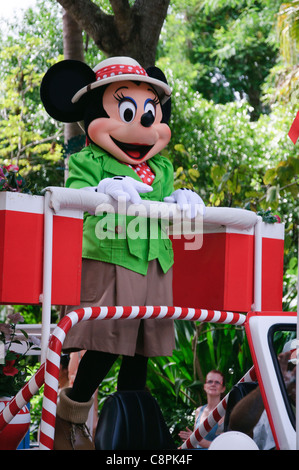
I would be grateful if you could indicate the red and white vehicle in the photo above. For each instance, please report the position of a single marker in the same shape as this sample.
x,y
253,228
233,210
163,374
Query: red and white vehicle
x,y
225,271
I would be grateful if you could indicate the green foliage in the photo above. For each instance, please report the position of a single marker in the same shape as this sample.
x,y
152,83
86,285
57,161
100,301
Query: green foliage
x,y
36,405
291,284
29,138
13,365
233,103
229,46
288,29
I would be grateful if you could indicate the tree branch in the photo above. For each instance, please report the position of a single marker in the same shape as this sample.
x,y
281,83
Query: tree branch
x,y
132,31
58,134
149,19
122,18
92,19
120,7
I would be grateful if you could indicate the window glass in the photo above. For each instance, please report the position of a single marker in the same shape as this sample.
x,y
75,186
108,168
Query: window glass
x,y
282,340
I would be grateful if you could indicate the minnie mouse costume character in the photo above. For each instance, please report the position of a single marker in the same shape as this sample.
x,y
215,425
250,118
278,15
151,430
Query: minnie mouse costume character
x,y
125,112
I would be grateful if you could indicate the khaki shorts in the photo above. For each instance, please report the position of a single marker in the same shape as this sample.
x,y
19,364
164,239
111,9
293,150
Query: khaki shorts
x,y
105,284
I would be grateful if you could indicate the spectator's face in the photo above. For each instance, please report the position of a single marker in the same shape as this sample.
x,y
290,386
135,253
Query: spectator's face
x,y
214,384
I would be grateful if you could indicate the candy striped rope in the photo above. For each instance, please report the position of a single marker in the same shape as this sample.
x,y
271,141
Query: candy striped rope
x,y
48,372
101,313
205,427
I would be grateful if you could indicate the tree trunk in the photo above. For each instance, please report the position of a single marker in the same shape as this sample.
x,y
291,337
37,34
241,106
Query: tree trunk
x,y
132,30
72,49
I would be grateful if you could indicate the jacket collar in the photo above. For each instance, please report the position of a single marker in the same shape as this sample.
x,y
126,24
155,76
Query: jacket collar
x,y
116,168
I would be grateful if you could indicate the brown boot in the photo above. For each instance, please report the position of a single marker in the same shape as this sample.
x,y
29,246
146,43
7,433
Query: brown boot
x,y
71,432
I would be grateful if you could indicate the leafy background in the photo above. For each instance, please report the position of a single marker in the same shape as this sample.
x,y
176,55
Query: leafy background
x,y
233,67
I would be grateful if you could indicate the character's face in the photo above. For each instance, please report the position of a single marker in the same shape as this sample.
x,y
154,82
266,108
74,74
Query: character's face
x,y
133,133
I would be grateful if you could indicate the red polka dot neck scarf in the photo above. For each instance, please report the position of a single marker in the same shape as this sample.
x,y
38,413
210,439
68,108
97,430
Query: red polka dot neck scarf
x,y
144,172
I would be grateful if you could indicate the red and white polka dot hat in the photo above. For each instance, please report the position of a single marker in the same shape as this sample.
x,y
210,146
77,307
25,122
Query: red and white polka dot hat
x,y
123,68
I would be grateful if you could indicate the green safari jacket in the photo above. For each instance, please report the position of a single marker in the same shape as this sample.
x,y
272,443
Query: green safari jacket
x,y
127,241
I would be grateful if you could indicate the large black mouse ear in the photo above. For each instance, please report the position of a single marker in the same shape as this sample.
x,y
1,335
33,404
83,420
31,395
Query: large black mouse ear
x,y
157,73
60,84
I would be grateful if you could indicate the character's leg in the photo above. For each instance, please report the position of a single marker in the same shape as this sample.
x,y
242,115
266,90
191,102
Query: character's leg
x,y
93,368
74,403
132,373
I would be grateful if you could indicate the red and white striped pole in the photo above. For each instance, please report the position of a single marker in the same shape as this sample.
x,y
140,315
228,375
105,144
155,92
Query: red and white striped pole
x,y
48,372
102,313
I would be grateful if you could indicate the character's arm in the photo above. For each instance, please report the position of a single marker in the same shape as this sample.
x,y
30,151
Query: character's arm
x,y
247,412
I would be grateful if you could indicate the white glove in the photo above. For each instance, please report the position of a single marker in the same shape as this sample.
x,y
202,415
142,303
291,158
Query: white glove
x,y
123,186
188,201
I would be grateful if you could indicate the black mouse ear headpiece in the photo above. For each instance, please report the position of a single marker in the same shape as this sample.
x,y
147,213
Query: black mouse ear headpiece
x,y
157,73
60,84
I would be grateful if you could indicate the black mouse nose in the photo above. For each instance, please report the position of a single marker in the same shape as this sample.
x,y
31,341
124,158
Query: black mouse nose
x,y
147,119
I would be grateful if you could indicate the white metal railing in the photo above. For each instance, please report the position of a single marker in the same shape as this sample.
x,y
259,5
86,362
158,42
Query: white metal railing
x,y
57,199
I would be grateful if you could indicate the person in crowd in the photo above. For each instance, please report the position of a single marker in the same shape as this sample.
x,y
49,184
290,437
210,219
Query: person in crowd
x,y
214,387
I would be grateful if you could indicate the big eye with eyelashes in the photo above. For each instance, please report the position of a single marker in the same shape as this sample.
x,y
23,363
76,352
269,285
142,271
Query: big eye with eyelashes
x,y
150,106
127,110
